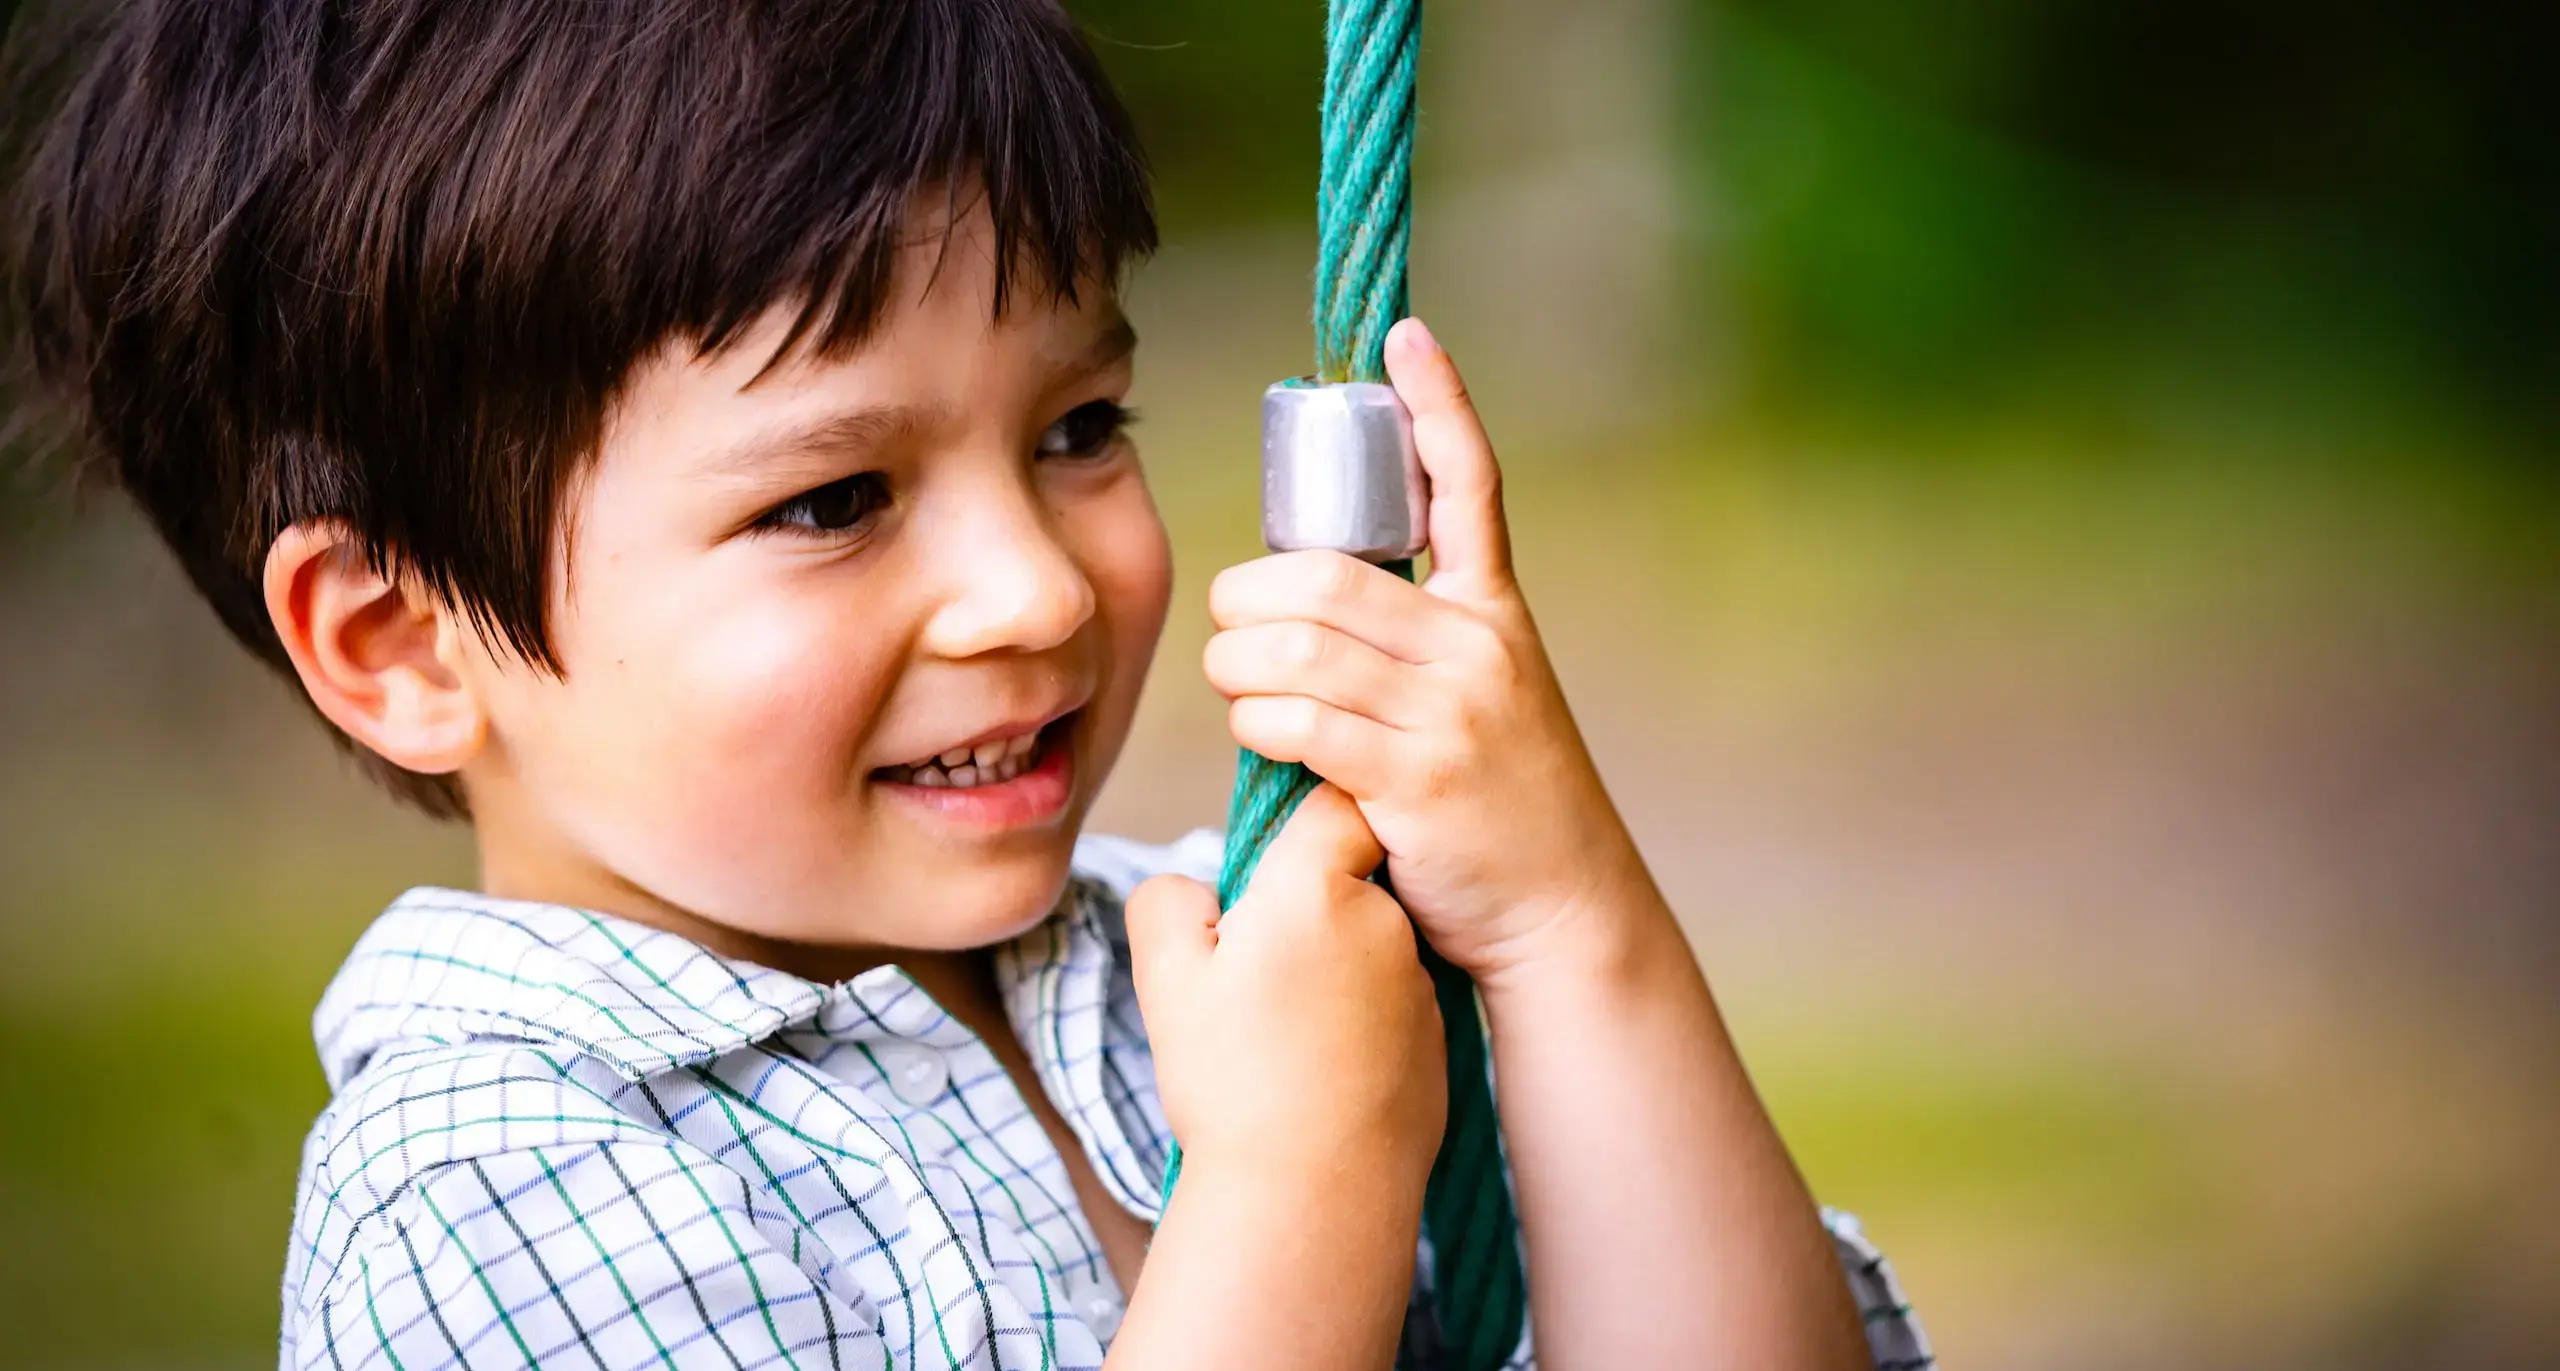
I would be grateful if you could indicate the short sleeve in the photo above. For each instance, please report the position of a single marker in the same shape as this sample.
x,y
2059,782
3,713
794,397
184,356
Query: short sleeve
x,y
604,1254
1894,1337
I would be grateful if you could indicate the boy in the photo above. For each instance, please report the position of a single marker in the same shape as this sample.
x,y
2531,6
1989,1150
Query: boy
x,y
684,440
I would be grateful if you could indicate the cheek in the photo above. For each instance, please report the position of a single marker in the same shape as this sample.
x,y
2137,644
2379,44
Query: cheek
x,y
740,705
1129,560
786,683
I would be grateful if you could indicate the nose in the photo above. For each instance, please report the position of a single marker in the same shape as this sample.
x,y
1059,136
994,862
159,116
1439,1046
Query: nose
x,y
1011,584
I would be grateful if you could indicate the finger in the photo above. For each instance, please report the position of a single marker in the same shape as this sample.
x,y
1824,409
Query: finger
x,y
1326,834
1355,753
1342,592
1173,927
1295,657
1470,541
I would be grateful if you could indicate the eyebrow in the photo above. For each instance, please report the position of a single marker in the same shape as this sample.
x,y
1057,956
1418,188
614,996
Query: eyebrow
x,y
1114,343
819,446
814,448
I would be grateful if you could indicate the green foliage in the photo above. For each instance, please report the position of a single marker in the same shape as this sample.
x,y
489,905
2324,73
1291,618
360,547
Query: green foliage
x,y
1225,93
1929,210
147,1158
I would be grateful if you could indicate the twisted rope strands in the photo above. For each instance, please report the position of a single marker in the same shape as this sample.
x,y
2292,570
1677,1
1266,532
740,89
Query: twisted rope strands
x,y
1364,210
1364,194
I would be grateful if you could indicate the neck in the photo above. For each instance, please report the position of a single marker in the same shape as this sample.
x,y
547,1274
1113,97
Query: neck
x,y
522,858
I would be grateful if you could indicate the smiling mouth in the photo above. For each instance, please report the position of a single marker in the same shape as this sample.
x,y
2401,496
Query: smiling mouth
x,y
987,764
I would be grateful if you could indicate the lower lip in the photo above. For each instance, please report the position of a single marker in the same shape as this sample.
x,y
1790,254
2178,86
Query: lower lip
x,y
1035,796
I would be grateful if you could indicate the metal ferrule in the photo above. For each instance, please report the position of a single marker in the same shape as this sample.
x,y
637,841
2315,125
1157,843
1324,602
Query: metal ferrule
x,y
1339,471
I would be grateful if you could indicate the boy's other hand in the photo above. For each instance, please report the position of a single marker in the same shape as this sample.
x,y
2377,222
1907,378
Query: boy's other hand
x,y
1299,1034
1434,706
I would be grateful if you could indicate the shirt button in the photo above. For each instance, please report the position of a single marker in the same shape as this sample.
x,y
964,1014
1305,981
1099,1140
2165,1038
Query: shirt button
x,y
916,1075
1102,1315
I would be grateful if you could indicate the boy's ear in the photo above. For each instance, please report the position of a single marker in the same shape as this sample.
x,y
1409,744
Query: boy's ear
x,y
381,659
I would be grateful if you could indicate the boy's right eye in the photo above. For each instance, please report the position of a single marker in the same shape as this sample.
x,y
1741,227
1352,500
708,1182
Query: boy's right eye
x,y
836,507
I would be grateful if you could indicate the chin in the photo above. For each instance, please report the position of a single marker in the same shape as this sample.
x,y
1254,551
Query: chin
x,y
996,903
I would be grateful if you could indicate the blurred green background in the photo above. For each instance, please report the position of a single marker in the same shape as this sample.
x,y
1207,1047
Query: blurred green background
x,y
2047,513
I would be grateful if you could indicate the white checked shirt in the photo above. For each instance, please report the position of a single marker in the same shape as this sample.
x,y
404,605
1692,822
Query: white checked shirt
x,y
563,1139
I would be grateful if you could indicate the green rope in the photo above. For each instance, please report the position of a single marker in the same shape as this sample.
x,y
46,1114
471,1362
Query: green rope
x,y
1364,212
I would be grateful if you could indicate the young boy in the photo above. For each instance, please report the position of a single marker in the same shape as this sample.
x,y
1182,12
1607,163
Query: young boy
x,y
684,439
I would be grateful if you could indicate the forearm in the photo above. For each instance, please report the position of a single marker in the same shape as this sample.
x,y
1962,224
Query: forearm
x,y
1664,1221
1252,1271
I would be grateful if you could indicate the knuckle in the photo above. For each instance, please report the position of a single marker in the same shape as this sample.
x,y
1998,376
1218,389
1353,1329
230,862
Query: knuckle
x,y
1217,656
1167,891
1298,719
1441,773
1361,909
1302,645
1326,806
1225,591
1144,897
1338,577
1483,709
1285,865
1485,647
1493,669
1290,892
1258,715
1453,385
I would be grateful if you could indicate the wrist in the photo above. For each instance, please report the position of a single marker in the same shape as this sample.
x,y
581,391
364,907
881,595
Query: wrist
x,y
1358,1209
1380,1163
1611,925
1243,1250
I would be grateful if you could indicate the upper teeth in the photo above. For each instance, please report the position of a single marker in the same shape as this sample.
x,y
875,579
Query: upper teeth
x,y
984,764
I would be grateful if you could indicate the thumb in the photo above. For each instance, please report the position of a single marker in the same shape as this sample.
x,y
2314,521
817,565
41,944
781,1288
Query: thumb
x,y
1325,835
1470,539
1173,926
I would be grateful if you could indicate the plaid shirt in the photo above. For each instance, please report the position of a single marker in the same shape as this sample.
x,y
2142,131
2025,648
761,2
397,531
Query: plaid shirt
x,y
563,1139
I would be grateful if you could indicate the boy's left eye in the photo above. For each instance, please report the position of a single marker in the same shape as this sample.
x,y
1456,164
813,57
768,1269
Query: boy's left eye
x,y
1085,431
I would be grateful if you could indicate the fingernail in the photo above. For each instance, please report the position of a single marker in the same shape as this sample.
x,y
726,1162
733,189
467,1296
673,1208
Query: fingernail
x,y
1422,335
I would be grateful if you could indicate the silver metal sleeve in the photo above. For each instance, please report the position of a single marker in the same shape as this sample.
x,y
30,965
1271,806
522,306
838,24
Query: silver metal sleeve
x,y
1339,471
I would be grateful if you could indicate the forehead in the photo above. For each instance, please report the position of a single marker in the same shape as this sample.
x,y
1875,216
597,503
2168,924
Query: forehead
x,y
945,294
944,350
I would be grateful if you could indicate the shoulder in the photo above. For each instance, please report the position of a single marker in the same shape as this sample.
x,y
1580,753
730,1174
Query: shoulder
x,y
464,1027
418,1111
415,1108
483,1203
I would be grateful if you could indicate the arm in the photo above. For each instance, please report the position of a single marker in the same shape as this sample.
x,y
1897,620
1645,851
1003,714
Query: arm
x,y
1634,1133
1274,1270
1663,1220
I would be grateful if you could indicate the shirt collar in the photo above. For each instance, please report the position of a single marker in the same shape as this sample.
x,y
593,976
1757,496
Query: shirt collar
x,y
447,966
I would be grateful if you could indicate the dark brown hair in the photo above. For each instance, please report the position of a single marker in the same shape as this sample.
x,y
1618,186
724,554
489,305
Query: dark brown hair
x,y
386,262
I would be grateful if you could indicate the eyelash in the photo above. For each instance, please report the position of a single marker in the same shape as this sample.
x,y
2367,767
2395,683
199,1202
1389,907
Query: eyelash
x,y
842,505
868,492
1114,418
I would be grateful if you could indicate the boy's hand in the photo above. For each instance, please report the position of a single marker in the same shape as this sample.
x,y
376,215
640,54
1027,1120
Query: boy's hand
x,y
1647,1174
1299,1057
1434,706
1299,1034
